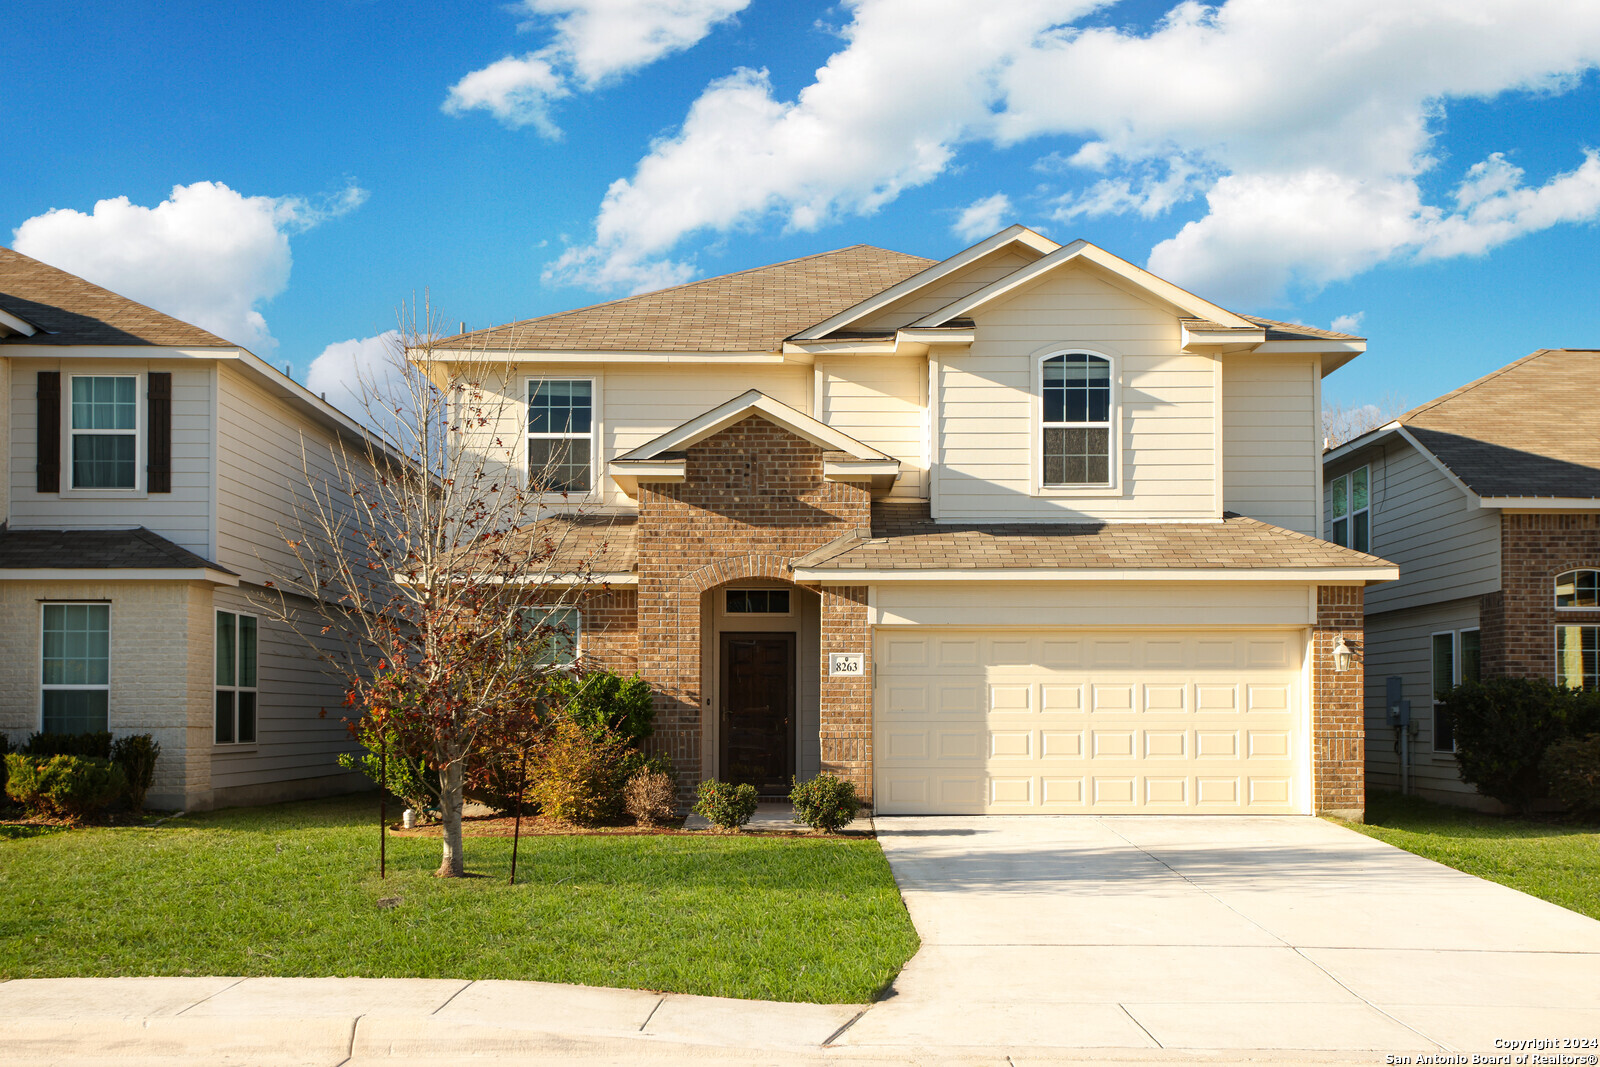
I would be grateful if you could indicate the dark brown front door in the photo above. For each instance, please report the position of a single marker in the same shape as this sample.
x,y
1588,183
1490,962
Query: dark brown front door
x,y
758,711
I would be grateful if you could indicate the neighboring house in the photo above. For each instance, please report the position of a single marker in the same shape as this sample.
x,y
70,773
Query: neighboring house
x,y
148,468
1488,498
1024,530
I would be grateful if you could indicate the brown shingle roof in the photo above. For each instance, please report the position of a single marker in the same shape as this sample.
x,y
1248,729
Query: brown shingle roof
x,y
95,550
905,538
1292,331
749,311
71,311
594,544
1523,430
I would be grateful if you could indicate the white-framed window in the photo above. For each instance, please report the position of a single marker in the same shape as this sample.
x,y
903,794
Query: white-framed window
x,y
1578,590
1076,415
236,678
561,434
1457,658
103,431
75,672
757,602
559,631
1578,657
1352,514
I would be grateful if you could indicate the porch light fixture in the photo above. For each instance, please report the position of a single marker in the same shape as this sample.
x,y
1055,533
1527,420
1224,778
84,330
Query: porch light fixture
x,y
1341,655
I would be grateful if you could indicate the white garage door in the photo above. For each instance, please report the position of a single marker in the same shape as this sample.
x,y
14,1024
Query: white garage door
x,y
990,721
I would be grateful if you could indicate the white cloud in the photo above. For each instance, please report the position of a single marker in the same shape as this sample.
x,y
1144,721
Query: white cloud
x,y
206,254
594,42
1348,323
358,376
1305,127
982,217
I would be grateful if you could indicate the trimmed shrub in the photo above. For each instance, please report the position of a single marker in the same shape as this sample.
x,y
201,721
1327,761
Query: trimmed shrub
x,y
1503,727
577,777
96,744
136,754
606,703
22,778
725,805
73,787
1572,768
825,803
651,798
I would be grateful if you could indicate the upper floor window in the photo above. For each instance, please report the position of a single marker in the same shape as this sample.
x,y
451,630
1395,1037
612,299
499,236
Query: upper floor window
x,y
1352,521
104,430
76,674
1076,408
1578,589
560,427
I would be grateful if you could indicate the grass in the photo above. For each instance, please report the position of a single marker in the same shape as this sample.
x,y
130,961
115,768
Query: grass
x,y
293,889
1556,861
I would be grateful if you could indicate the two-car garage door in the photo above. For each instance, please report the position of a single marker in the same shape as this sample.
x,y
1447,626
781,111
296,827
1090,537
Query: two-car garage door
x,y
1054,721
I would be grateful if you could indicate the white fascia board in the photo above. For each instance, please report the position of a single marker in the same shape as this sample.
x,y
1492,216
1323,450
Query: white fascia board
x,y
1372,437
1136,276
1321,575
1017,234
1355,444
1223,338
874,347
859,467
629,475
1330,347
1542,503
118,574
13,325
913,336
550,355
139,352
579,581
741,407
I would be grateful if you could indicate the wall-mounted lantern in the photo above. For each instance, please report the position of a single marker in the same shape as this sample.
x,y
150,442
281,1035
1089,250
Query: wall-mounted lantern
x,y
1341,655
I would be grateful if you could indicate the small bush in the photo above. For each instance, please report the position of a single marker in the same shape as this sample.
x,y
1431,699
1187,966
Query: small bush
x,y
825,803
577,776
408,775
725,805
1503,727
73,787
603,702
651,798
96,744
5,750
136,754
1572,768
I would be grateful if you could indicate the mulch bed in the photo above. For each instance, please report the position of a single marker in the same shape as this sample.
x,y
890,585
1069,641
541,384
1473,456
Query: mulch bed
x,y
538,826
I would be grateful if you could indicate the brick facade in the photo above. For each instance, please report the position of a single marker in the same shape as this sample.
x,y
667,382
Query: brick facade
x,y
1518,622
610,629
847,702
1338,768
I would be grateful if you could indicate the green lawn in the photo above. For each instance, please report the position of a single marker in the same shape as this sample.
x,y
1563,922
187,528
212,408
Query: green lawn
x,y
1557,861
293,889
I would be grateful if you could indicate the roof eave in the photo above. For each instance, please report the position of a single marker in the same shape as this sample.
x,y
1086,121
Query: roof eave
x,y
1324,575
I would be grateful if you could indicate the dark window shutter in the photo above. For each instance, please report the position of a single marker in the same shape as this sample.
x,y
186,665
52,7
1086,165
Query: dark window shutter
x,y
159,430
49,424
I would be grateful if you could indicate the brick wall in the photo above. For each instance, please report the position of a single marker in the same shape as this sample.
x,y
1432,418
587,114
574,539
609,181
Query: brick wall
x,y
847,702
609,622
1337,764
752,499
1518,623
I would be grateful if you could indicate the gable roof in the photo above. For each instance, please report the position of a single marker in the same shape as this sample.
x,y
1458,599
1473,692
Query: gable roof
x,y
741,407
748,311
1521,431
64,309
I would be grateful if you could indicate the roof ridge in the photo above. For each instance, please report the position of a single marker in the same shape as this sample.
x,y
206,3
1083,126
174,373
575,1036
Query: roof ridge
x,y
81,280
1476,382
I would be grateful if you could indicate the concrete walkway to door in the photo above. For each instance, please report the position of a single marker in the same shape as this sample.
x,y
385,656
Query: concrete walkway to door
x,y
1217,933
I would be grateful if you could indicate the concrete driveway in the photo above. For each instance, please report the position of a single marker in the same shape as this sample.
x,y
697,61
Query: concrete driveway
x,y
1217,933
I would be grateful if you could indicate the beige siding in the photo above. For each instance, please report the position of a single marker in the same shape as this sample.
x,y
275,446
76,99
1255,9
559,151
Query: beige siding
x,y
182,516
1165,438
1270,450
880,400
948,289
1094,604
1444,545
1401,643
5,436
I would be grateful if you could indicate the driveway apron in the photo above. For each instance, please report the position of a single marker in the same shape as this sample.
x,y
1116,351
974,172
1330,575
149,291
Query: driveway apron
x,y
1217,933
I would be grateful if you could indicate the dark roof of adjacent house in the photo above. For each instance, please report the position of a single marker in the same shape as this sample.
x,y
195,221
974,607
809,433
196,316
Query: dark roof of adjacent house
x,y
748,311
67,310
1522,431
137,549
904,537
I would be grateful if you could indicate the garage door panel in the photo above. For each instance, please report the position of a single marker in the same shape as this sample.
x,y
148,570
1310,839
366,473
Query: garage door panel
x,y
1041,721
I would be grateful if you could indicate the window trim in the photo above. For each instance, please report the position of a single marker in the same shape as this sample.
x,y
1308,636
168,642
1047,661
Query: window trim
x,y
1036,428
1349,517
69,432
1555,582
596,468
1555,644
235,688
39,659
789,613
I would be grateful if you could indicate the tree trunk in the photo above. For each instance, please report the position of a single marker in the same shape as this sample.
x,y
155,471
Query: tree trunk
x,y
452,864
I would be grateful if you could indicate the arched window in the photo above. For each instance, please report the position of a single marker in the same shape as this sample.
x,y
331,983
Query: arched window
x,y
1578,589
1076,405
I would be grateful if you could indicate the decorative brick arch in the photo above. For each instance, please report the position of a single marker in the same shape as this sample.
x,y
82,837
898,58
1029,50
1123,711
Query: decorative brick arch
x,y
734,568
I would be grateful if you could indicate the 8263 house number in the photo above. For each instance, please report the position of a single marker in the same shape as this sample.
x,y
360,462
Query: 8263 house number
x,y
847,663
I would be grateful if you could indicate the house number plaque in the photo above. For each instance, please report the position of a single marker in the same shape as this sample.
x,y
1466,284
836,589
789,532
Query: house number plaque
x,y
849,664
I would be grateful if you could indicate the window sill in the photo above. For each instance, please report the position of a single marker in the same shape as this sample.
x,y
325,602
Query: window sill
x,y
1057,491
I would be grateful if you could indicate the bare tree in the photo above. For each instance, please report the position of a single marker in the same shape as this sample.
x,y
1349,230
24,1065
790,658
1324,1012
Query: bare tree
x,y
1343,422
434,564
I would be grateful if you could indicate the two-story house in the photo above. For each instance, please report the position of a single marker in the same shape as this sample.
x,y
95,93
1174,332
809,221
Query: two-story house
x,y
1488,498
1028,529
149,476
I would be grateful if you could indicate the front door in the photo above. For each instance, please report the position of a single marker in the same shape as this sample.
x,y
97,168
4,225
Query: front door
x,y
758,711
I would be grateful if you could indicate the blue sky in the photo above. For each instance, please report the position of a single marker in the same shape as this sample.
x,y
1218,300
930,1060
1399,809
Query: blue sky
x,y
291,172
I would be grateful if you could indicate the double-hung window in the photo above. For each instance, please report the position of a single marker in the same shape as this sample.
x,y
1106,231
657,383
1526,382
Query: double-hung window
x,y
560,427
1075,405
1352,517
556,630
76,673
1578,657
104,428
1456,659
236,679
